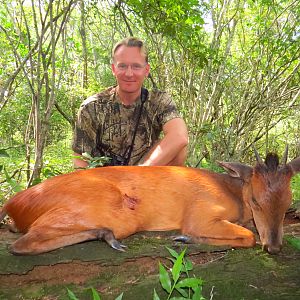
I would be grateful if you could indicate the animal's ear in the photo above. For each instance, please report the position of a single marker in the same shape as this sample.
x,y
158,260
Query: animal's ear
x,y
295,165
237,169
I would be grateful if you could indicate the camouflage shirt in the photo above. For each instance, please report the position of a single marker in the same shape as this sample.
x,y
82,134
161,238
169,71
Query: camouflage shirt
x,y
105,126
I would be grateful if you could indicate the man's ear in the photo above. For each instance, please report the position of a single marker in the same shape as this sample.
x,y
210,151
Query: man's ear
x,y
147,70
113,69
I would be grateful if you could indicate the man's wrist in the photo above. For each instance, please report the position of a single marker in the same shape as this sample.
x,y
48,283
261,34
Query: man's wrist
x,y
146,163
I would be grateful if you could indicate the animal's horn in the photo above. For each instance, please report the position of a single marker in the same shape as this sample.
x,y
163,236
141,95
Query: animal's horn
x,y
258,158
285,155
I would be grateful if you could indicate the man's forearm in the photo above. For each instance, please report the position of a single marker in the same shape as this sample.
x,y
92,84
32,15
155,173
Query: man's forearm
x,y
170,148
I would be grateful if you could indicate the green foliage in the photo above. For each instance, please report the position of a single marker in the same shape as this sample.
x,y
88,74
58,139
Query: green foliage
x,y
13,168
15,186
181,21
57,158
295,185
295,242
10,173
179,281
3,153
94,162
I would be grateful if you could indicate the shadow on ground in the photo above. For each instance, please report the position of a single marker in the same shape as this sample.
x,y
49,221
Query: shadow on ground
x,y
228,274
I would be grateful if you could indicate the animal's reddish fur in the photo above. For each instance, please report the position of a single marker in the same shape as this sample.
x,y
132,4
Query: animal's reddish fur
x,y
205,205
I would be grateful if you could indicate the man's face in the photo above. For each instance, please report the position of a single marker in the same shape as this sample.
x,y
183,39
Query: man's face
x,y
130,69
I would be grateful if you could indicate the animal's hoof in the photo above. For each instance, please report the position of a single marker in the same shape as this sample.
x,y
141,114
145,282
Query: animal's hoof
x,y
13,228
13,250
182,239
118,246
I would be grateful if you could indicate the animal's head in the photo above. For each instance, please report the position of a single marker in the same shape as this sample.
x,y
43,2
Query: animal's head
x,y
267,192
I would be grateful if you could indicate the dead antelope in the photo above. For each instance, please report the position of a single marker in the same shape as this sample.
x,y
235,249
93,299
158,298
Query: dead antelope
x,y
112,203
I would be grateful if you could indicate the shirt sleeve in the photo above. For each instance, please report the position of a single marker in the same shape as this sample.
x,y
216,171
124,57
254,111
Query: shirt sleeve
x,y
167,109
84,133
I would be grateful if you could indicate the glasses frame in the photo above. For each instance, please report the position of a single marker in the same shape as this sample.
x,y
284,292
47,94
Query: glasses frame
x,y
121,67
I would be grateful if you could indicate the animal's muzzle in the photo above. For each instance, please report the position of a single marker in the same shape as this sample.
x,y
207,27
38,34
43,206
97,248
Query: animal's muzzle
x,y
272,249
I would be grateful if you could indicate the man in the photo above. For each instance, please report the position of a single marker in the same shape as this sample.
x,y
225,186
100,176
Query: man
x,y
125,122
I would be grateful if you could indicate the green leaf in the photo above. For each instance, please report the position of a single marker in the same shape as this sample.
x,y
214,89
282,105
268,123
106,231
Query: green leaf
x,y
71,295
13,184
120,297
173,252
189,282
199,287
164,278
177,266
187,266
172,260
198,294
155,296
295,242
95,294
3,153
182,292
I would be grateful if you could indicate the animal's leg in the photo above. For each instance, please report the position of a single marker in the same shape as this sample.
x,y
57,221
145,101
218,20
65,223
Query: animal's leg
x,y
219,232
40,240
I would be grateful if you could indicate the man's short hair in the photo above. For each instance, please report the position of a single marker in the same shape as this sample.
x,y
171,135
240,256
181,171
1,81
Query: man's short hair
x,y
131,42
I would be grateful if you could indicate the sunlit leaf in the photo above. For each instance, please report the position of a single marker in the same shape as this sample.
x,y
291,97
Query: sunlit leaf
x,y
120,297
164,278
188,265
95,294
189,282
197,294
71,295
177,266
182,292
155,296
173,252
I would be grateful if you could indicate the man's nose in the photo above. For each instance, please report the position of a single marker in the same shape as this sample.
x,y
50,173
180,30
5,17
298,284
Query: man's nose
x,y
128,71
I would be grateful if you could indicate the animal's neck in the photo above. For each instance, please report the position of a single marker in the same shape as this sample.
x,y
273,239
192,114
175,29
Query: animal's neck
x,y
246,197
241,192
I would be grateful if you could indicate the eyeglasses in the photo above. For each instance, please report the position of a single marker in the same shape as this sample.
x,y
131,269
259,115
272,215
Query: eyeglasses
x,y
134,67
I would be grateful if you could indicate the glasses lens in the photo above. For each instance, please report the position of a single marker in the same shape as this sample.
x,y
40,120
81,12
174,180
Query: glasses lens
x,y
134,67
